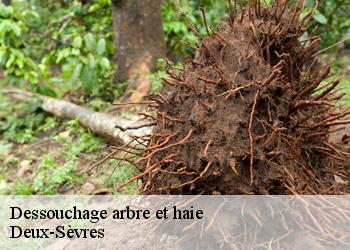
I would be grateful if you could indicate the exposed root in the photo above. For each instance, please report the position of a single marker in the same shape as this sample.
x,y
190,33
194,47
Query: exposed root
x,y
251,141
249,114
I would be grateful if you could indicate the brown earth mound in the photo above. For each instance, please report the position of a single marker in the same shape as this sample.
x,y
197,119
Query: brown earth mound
x,y
249,114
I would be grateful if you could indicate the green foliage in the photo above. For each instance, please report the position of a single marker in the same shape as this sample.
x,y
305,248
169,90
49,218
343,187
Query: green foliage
x,y
53,168
50,176
332,19
341,67
176,17
17,122
5,149
18,66
58,48
85,61
20,187
85,47
156,78
118,173
57,169
23,124
80,141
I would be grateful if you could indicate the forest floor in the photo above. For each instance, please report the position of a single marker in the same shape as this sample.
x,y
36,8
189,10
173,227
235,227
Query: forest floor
x,y
42,154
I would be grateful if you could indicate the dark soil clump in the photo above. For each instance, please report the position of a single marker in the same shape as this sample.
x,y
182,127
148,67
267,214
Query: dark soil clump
x,y
251,113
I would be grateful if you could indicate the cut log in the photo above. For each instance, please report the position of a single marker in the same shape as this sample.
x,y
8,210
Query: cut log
x,y
103,124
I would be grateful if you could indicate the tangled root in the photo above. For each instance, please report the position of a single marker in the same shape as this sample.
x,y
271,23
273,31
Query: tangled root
x,y
251,113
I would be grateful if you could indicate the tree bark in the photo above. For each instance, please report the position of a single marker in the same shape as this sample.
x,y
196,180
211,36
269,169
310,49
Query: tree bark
x,y
139,36
6,2
103,124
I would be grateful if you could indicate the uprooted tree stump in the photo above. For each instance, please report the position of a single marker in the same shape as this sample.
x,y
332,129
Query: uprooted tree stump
x,y
251,113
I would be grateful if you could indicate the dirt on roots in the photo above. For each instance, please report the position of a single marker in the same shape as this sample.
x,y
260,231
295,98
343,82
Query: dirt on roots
x,y
251,113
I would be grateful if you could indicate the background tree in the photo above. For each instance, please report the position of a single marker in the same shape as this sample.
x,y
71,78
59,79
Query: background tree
x,y
6,2
138,38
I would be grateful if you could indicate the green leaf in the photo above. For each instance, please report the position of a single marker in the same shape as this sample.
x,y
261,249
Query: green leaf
x,y
19,63
5,11
83,59
104,63
101,46
77,42
16,29
78,9
32,77
76,72
63,54
10,60
310,3
89,80
90,41
75,52
2,55
92,61
93,8
46,90
320,18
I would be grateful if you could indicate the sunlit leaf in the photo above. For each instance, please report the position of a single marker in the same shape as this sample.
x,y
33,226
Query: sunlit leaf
x,y
77,42
89,79
2,55
19,63
92,61
320,18
90,41
76,72
5,11
104,63
101,46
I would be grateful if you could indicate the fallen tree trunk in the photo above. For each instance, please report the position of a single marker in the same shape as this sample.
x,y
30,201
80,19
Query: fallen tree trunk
x,y
100,123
